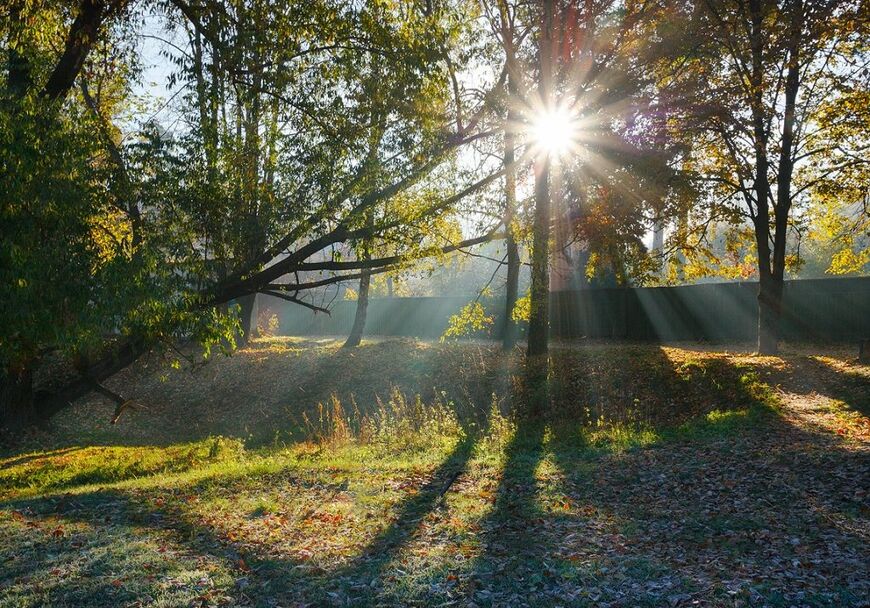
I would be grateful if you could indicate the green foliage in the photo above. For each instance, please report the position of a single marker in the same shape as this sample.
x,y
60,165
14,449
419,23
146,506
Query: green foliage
x,y
131,230
471,319
57,280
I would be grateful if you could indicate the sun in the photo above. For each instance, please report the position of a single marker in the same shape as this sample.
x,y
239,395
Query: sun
x,y
554,132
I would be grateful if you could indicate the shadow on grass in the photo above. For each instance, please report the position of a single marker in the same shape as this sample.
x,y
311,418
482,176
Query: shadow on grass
x,y
760,511
362,578
282,578
512,559
120,513
736,490
73,467
849,387
62,565
729,495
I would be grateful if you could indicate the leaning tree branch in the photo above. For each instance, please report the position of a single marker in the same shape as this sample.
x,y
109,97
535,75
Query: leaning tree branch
x,y
296,260
295,300
242,279
340,278
393,259
299,286
111,362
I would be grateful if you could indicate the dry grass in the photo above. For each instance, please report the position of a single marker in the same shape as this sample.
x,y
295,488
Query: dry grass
x,y
275,391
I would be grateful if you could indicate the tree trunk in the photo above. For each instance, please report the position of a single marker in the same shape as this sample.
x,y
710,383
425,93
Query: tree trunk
x,y
509,331
17,408
362,301
769,312
537,360
82,36
247,319
771,286
509,328
539,326
359,320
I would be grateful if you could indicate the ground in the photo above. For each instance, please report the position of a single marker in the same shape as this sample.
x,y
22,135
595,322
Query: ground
x,y
402,473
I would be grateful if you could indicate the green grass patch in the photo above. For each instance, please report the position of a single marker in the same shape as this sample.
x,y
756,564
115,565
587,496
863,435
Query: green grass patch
x,y
35,473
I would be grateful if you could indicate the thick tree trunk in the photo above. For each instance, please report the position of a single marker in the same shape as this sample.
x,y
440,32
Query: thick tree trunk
x,y
771,282
359,320
537,361
769,312
539,323
768,303
247,319
17,409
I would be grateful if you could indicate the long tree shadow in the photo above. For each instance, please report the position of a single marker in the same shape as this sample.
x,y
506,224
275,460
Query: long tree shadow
x,y
283,577
735,491
849,387
723,485
667,526
511,556
362,579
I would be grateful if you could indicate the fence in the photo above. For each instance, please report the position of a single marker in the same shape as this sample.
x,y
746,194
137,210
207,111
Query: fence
x,y
813,310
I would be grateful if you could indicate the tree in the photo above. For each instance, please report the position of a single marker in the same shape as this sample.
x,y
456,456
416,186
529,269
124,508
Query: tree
x,y
539,326
275,132
592,72
505,27
762,72
59,258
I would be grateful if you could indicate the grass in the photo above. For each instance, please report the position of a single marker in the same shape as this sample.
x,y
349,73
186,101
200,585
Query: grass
x,y
38,473
661,476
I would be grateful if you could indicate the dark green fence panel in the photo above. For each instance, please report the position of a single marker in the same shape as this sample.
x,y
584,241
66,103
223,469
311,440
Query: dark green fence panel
x,y
817,309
